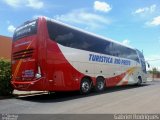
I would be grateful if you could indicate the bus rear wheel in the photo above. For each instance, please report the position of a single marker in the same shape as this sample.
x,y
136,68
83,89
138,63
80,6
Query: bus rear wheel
x,y
86,86
100,84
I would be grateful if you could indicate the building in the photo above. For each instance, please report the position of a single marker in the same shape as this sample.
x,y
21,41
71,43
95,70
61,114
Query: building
x,y
5,47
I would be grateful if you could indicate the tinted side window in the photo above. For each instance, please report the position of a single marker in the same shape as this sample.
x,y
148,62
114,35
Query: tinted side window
x,y
60,33
124,52
73,38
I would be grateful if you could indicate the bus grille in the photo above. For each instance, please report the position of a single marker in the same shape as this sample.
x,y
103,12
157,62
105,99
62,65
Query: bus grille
x,y
23,54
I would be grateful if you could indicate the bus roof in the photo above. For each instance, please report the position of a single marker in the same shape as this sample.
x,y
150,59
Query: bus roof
x,y
86,32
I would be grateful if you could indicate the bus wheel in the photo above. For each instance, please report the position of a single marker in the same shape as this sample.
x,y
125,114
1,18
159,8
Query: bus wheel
x,y
100,84
86,86
139,83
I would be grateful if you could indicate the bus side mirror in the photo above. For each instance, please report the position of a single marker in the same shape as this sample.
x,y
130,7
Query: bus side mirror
x,y
148,65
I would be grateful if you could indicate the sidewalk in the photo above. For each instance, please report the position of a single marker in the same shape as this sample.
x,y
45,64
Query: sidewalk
x,y
153,79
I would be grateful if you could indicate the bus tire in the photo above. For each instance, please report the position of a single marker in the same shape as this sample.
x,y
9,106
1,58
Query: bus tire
x,y
139,83
85,86
100,84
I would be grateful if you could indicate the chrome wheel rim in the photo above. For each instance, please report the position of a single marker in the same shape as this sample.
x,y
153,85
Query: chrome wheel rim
x,y
85,87
100,85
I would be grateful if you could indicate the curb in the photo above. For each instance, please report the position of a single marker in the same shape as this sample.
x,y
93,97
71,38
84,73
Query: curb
x,y
22,94
6,97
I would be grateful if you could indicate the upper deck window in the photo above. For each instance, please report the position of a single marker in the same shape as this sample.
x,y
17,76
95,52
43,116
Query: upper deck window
x,y
27,29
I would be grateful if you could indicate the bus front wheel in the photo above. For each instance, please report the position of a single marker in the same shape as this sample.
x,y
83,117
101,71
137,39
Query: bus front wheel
x,y
139,83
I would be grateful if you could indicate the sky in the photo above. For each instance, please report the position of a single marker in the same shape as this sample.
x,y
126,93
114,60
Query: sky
x,y
132,22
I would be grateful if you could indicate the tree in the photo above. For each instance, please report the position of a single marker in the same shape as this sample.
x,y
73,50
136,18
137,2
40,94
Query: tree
x,y
5,77
154,72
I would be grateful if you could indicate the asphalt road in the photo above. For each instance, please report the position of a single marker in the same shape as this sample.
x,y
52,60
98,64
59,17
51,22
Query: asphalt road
x,y
126,99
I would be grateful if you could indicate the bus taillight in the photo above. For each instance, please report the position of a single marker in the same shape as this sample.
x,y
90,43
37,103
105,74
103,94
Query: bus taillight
x,y
38,74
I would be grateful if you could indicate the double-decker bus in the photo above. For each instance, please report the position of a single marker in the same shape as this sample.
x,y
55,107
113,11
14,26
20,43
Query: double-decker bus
x,y
48,55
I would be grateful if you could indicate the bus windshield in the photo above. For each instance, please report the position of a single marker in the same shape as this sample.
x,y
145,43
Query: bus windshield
x,y
27,29
143,64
